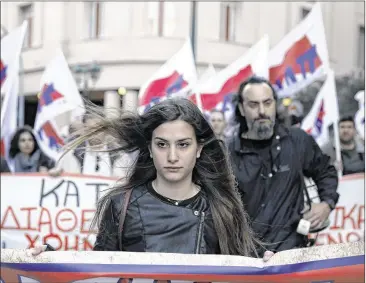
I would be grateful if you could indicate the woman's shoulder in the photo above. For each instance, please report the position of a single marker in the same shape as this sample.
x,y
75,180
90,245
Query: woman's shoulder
x,y
117,199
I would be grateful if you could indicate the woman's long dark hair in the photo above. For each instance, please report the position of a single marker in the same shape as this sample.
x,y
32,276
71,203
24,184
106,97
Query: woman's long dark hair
x,y
133,132
14,144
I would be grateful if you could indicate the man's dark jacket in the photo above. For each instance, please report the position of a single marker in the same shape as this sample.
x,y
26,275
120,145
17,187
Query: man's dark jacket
x,y
273,188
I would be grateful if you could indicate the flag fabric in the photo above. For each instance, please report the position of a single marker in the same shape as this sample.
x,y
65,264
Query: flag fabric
x,y
217,91
11,47
301,56
323,113
189,89
207,74
360,115
176,74
9,115
59,104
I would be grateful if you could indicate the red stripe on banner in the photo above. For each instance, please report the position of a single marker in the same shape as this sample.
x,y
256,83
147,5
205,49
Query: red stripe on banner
x,y
354,274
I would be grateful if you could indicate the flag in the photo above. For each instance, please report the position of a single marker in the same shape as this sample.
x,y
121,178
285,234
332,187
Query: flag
x,y
177,73
217,91
189,89
301,56
207,74
59,104
323,113
11,47
360,115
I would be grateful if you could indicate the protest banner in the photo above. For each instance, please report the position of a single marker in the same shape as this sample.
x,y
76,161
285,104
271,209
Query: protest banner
x,y
326,264
347,220
37,208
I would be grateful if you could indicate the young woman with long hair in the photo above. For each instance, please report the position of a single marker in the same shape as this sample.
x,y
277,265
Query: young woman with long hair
x,y
26,153
182,193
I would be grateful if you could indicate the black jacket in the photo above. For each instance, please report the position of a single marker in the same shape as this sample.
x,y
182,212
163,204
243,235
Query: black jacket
x,y
272,183
153,224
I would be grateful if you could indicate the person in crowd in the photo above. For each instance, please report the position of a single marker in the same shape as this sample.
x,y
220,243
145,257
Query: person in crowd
x,y
26,154
181,195
352,151
218,123
4,166
89,157
270,162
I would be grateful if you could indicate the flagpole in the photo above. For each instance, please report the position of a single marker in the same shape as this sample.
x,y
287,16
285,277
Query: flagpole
x,y
21,98
194,45
337,146
193,28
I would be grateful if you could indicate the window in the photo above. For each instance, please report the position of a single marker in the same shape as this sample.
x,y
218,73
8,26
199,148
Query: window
x,y
228,19
304,12
155,18
26,14
94,18
361,47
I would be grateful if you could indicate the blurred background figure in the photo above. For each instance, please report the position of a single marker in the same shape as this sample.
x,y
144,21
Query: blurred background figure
x,y
26,154
291,112
218,123
296,113
87,158
4,166
352,150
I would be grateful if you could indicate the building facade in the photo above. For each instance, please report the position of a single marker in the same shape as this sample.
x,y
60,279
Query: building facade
x,y
130,40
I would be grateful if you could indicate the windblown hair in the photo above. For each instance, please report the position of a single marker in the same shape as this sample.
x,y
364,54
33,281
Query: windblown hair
x,y
14,144
212,171
238,98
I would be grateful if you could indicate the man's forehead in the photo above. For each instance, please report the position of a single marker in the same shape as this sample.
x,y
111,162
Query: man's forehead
x,y
257,91
346,124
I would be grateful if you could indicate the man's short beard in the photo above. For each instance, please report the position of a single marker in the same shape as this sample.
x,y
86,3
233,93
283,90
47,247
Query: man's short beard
x,y
262,131
347,142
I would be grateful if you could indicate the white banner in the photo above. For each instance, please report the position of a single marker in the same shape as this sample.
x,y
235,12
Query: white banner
x,y
327,264
347,220
36,208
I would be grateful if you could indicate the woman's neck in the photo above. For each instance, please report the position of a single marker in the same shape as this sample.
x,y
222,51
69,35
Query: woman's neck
x,y
182,190
26,154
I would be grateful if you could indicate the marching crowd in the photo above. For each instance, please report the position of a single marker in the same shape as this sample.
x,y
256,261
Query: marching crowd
x,y
269,162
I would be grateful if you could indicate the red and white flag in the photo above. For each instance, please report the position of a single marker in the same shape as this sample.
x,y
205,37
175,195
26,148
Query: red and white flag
x,y
11,47
205,76
59,104
177,73
301,56
323,113
217,91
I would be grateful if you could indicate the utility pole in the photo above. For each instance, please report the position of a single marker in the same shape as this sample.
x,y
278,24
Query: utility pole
x,y
193,27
